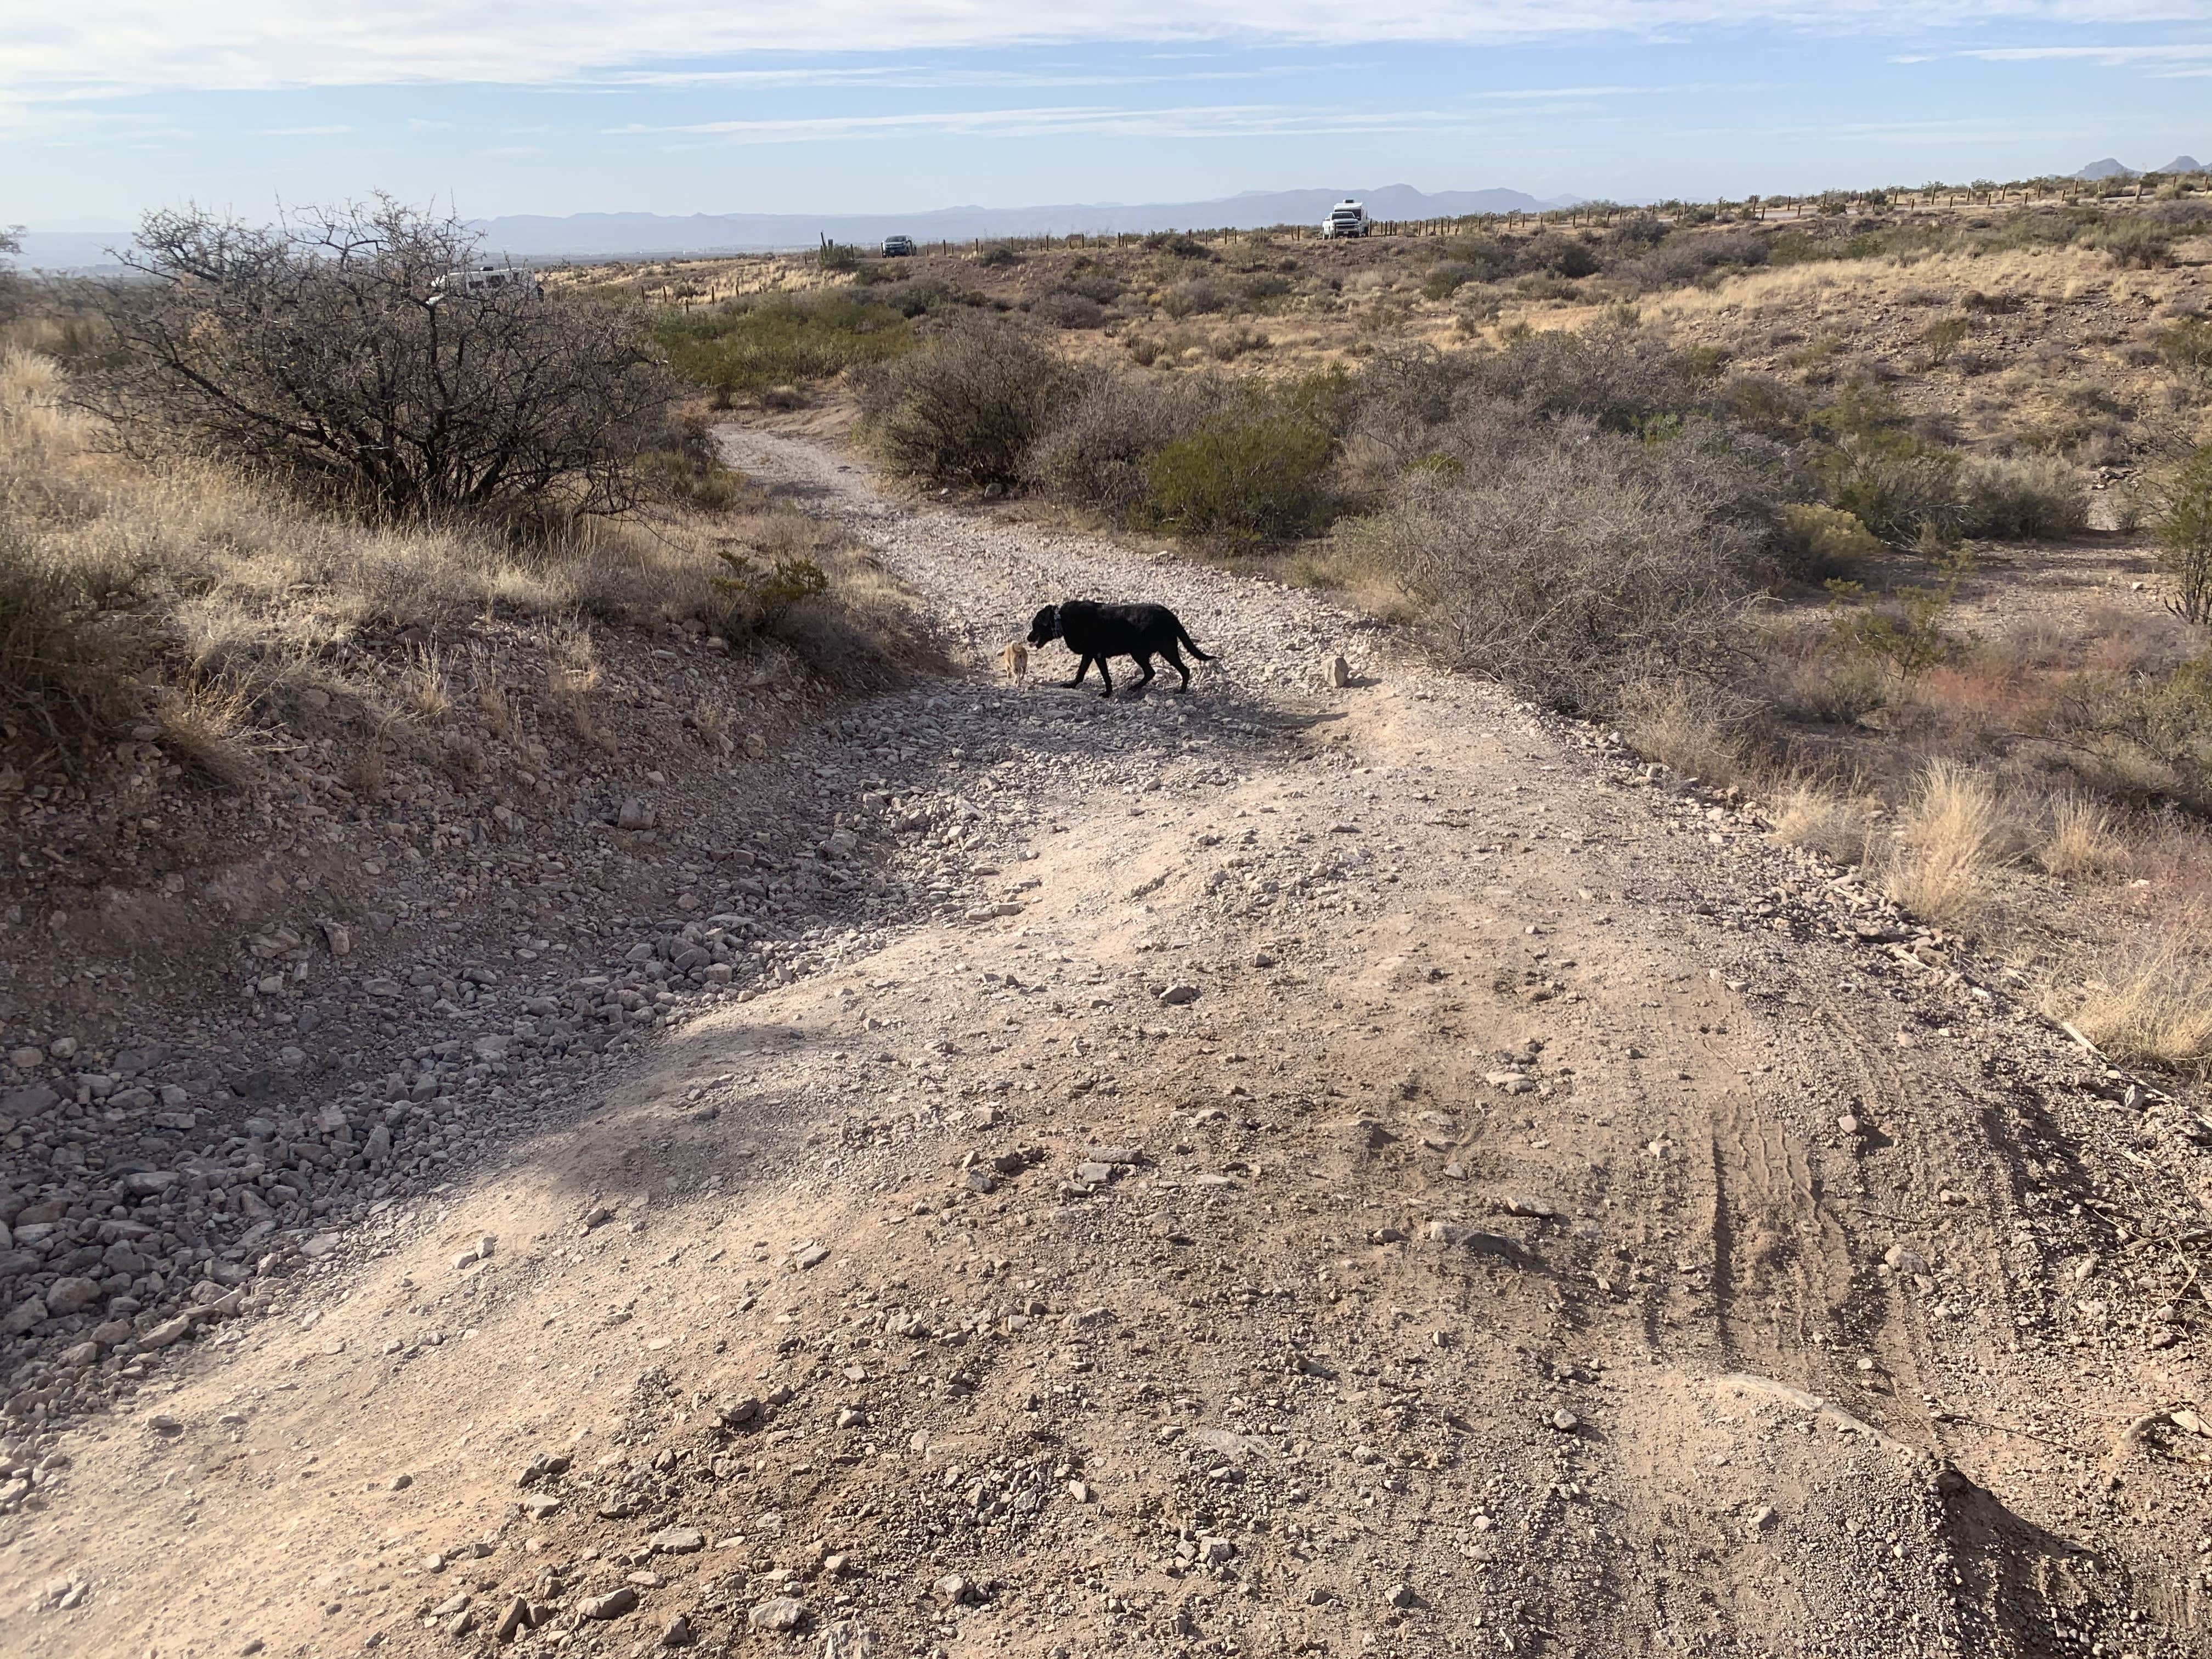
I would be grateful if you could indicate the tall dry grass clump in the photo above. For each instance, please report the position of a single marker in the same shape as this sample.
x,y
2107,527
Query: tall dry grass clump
x,y
2081,840
2151,1003
1954,834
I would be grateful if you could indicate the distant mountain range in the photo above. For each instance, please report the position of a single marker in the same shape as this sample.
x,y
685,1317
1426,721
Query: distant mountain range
x,y
2109,168
620,235
617,234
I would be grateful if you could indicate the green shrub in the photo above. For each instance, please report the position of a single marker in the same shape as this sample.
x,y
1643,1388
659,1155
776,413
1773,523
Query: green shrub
x,y
1447,279
2025,497
996,255
1198,297
1943,337
2187,348
1248,475
1098,451
2185,535
1817,540
2132,244
781,339
757,596
1902,490
966,408
1180,244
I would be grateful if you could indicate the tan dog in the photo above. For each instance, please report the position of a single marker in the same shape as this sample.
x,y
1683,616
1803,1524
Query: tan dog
x,y
1016,656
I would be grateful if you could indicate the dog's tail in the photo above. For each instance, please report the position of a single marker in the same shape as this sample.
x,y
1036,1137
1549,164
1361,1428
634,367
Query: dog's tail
x,y
1183,634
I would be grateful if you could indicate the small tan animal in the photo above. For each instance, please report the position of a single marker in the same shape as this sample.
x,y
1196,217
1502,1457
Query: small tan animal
x,y
1016,656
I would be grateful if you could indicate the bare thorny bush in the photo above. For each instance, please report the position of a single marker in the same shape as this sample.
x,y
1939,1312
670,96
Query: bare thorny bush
x,y
331,349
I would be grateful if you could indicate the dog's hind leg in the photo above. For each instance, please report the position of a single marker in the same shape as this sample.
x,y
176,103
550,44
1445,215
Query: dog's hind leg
x,y
1144,662
1175,662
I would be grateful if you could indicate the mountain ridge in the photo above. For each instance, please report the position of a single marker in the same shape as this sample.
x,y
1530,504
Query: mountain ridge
x,y
632,234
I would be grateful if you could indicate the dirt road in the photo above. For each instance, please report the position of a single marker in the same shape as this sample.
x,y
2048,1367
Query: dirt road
x,y
1297,1168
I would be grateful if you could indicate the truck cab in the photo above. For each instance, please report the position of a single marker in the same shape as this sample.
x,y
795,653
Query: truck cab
x,y
1347,218
897,247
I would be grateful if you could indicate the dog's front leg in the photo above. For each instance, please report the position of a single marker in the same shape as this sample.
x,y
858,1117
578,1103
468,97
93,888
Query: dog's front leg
x,y
1106,677
1081,669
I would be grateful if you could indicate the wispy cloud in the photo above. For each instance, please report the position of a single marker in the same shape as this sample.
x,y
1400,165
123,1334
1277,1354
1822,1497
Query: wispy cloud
x,y
246,44
1187,121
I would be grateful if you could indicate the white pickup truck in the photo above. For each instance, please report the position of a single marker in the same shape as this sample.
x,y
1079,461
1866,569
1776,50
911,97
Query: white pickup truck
x,y
1347,218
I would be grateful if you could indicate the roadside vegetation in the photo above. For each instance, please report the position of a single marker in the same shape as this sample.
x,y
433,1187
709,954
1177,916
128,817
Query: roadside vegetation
x,y
1889,509
284,467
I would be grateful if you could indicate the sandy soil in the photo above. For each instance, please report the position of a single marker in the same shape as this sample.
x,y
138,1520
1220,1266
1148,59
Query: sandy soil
x,y
1381,1171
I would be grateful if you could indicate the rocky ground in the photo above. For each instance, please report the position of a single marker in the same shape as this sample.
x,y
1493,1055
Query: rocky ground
x,y
1302,1166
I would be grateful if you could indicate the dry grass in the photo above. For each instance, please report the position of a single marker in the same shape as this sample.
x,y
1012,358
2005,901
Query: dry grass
x,y
571,675
428,694
209,726
2152,1004
1684,723
1835,827
1955,834
2081,840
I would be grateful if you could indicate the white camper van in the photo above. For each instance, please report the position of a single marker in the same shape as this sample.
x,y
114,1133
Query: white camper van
x,y
482,281
1347,218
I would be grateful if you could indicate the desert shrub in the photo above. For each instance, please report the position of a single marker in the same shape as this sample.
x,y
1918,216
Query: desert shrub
x,y
756,343
1615,377
996,256
323,350
966,408
1447,279
1198,297
686,470
1266,286
1180,244
1062,309
1098,450
910,296
1099,284
2186,349
1577,565
1639,233
1686,259
1817,541
1943,337
838,256
1561,255
71,636
2185,534
759,594
1761,404
1257,471
2025,497
1901,489
2132,244
14,290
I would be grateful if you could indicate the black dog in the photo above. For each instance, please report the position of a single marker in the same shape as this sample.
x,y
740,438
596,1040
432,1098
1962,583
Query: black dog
x,y
1095,632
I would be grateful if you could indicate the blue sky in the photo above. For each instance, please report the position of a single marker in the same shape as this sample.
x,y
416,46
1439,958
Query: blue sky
x,y
559,106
